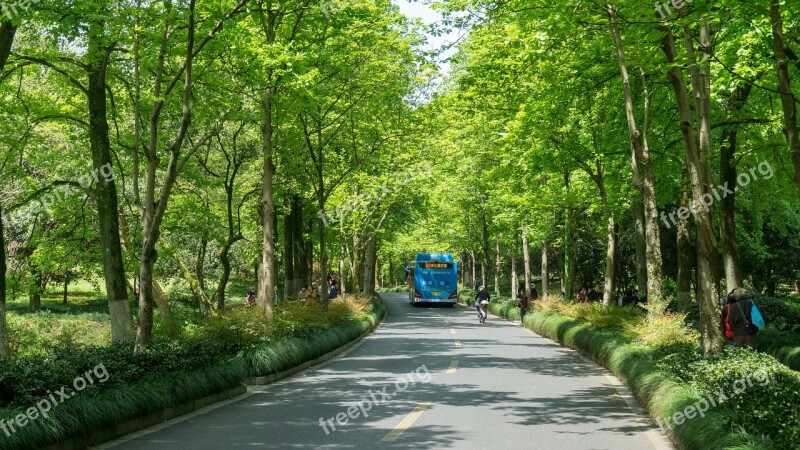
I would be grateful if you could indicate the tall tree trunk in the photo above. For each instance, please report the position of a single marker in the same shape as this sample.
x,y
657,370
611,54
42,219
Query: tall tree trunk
x,y
684,244
7,32
224,278
342,250
641,248
526,258
158,293
514,277
473,268
200,262
105,191
497,266
203,300
545,272
788,100
567,279
5,348
484,247
266,281
642,164
611,246
698,151
727,177
609,286
65,291
301,260
370,254
234,230
35,297
310,257
323,241
289,289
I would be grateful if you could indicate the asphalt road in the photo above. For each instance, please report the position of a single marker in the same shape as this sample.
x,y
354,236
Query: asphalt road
x,y
426,378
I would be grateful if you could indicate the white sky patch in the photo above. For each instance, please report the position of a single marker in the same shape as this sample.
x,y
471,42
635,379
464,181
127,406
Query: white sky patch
x,y
446,43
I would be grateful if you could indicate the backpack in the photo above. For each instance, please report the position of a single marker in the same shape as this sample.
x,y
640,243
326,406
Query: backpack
x,y
728,329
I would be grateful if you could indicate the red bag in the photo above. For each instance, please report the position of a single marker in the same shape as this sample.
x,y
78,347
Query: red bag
x,y
728,329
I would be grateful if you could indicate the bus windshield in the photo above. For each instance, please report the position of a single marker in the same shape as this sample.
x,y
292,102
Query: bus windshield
x,y
435,278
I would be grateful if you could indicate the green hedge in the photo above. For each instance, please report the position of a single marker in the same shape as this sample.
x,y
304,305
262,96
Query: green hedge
x,y
167,375
783,345
275,357
91,411
661,394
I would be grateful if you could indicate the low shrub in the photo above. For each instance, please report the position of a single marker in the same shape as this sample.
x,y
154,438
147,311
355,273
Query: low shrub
x,y
37,333
776,312
26,380
98,409
277,356
783,345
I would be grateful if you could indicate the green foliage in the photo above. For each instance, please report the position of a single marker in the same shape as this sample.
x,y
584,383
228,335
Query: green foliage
x,y
782,314
36,334
762,393
783,345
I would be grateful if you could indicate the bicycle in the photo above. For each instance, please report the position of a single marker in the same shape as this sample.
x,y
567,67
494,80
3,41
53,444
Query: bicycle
x,y
483,311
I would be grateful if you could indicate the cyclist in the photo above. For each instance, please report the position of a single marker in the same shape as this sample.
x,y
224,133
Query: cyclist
x,y
480,297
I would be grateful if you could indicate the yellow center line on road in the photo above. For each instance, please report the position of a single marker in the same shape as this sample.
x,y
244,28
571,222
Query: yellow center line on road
x,y
458,343
453,366
406,423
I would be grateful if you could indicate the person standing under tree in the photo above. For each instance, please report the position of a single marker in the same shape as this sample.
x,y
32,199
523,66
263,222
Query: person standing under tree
x,y
740,319
725,314
251,297
333,291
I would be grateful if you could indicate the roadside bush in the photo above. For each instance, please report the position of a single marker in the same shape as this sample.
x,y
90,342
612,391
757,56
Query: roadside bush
x,y
23,381
763,395
665,331
243,328
783,345
775,312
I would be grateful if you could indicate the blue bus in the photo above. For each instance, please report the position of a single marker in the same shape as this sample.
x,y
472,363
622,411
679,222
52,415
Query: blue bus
x,y
433,279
